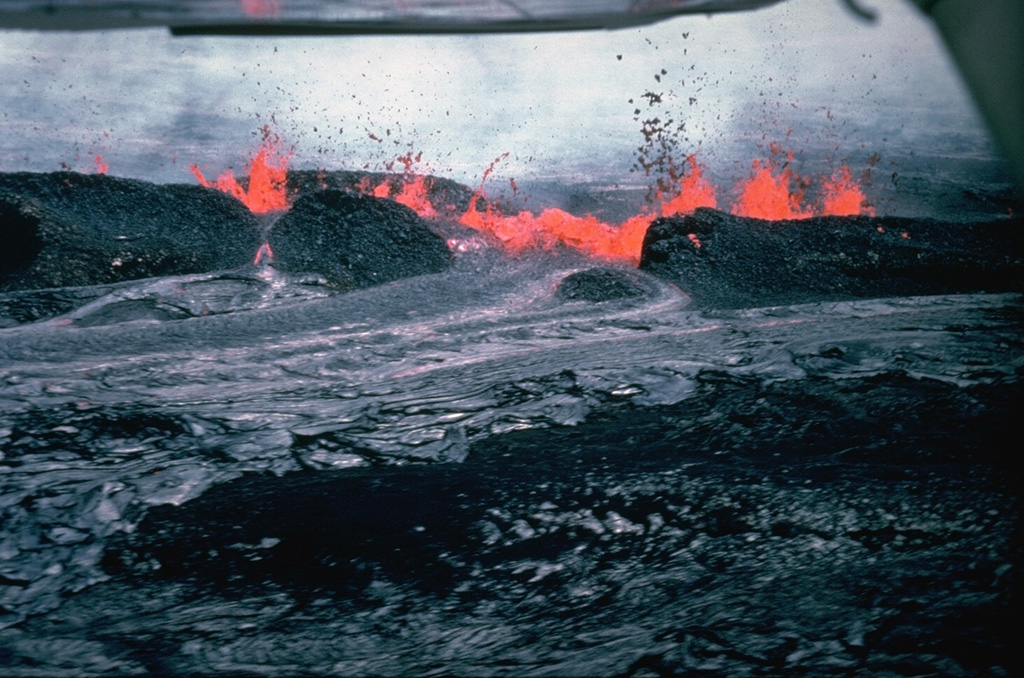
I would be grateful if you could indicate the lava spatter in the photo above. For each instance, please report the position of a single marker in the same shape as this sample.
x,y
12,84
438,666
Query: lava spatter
x,y
266,187
774,191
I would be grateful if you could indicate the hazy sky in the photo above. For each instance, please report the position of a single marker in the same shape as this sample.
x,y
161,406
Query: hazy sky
x,y
805,73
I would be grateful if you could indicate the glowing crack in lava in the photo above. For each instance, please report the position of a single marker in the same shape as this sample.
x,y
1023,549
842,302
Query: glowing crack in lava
x,y
772,192
266,188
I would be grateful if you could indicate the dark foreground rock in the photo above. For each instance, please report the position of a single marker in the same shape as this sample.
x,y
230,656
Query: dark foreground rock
x,y
67,229
858,527
600,284
743,262
355,240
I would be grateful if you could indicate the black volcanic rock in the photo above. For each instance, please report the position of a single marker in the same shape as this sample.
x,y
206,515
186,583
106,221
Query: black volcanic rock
x,y
448,197
599,284
67,229
355,240
724,261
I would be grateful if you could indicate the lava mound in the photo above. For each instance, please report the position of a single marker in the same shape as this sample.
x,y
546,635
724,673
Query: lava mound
x,y
448,197
67,229
355,240
724,261
599,284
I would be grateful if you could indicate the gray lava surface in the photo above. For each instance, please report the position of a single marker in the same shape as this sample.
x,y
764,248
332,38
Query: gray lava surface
x,y
530,465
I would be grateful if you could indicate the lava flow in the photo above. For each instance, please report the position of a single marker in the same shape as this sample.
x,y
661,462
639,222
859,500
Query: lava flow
x,y
774,191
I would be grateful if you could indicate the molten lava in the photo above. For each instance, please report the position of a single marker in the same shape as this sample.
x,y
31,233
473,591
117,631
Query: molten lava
x,y
843,196
554,226
266,188
412,191
774,191
587,234
769,194
694,191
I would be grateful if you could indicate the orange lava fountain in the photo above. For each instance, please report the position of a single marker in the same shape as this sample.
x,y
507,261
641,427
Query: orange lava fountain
x,y
587,234
772,192
266,189
843,196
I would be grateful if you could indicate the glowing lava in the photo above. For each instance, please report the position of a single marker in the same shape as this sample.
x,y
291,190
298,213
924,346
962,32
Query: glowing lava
x,y
412,191
769,194
588,234
774,191
843,196
554,226
266,189
694,191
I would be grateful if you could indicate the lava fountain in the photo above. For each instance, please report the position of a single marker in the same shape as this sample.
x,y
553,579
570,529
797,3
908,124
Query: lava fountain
x,y
774,191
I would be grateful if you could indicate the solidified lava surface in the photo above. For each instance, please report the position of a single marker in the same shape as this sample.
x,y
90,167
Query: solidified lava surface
x,y
66,229
355,240
788,451
725,261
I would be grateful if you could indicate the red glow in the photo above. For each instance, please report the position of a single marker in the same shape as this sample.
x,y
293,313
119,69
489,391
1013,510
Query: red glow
x,y
263,253
101,166
694,191
554,226
261,9
773,191
588,234
268,177
843,196
413,190
769,195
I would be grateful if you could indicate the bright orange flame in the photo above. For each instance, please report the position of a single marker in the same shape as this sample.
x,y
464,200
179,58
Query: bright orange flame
x,y
771,192
588,234
412,192
268,179
767,195
843,196
694,191
552,226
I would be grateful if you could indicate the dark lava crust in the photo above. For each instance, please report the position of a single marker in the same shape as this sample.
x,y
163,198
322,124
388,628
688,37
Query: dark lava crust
x,y
865,527
742,262
65,229
355,240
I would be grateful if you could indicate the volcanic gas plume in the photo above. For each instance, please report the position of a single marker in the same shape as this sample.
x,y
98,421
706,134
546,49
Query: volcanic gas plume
x,y
773,191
